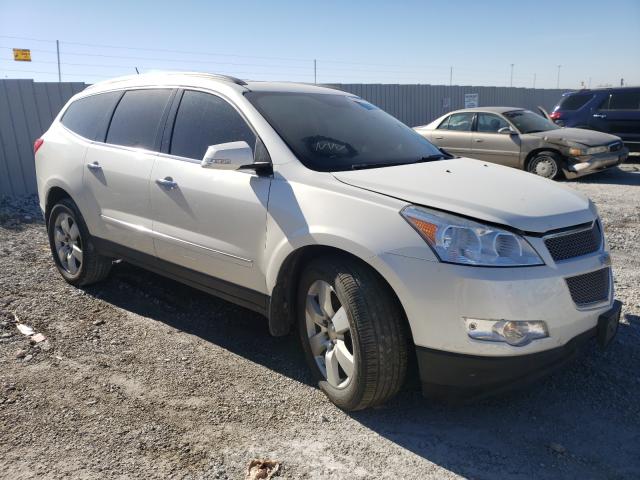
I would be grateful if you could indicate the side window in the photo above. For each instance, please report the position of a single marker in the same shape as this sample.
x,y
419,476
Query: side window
x,y
88,116
461,122
624,101
489,123
136,121
204,119
445,124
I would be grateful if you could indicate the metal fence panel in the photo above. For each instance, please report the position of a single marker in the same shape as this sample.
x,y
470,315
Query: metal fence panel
x,y
27,110
420,104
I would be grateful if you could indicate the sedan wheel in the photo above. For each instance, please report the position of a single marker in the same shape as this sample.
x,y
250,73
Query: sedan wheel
x,y
545,164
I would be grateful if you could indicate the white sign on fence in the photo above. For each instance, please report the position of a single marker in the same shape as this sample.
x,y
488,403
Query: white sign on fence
x,y
471,100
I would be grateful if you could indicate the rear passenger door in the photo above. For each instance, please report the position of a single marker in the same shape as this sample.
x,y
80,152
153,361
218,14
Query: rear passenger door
x,y
118,168
491,146
210,221
619,115
454,134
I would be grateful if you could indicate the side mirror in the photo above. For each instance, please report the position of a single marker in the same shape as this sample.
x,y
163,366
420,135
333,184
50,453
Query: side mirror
x,y
228,156
506,131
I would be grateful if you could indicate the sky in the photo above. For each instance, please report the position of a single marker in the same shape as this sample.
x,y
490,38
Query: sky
x,y
499,43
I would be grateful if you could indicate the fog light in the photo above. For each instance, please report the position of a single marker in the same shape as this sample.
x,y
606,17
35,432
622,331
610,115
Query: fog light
x,y
514,332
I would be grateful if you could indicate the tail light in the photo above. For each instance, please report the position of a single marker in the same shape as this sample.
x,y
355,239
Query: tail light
x,y
37,144
555,115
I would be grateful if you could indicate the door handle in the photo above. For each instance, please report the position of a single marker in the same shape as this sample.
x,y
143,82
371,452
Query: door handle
x,y
167,182
599,115
94,166
438,138
478,140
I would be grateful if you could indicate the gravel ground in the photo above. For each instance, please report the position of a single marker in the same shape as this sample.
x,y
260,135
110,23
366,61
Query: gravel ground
x,y
143,377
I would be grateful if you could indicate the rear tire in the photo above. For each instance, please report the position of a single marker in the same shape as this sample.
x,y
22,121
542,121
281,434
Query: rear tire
x,y
353,332
72,248
546,164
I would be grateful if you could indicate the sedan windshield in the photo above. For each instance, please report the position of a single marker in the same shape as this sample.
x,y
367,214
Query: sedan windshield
x,y
339,132
529,122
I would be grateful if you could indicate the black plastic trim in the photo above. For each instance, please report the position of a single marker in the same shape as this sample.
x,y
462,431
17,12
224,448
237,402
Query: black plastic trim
x,y
245,297
457,376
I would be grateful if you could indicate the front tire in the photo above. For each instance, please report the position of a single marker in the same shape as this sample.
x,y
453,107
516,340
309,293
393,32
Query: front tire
x,y
353,332
546,164
72,248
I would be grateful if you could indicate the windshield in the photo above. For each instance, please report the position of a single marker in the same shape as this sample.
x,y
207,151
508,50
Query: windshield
x,y
339,132
529,122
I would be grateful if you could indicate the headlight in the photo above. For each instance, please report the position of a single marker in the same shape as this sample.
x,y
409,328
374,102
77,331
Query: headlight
x,y
595,150
457,240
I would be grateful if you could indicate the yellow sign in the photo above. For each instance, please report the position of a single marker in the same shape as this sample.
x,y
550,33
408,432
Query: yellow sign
x,y
22,54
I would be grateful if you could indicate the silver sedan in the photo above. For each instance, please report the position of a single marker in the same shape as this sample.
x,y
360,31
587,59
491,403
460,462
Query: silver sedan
x,y
522,139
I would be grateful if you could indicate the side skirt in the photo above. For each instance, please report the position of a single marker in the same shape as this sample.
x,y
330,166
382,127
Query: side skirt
x,y
245,297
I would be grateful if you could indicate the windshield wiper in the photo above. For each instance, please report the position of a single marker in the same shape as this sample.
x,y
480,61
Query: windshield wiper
x,y
432,158
362,166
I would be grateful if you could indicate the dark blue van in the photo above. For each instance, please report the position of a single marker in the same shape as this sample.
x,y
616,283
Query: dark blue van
x,y
611,110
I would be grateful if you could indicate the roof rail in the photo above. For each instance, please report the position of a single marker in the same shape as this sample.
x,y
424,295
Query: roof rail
x,y
217,76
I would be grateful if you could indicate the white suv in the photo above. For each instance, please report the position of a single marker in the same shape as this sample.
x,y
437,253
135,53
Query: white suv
x,y
325,214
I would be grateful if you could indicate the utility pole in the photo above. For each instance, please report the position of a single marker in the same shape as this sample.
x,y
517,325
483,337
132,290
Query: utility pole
x,y
315,72
450,76
558,80
58,53
534,81
511,80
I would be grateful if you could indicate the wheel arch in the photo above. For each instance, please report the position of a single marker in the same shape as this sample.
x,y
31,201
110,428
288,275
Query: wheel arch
x,y
283,296
54,195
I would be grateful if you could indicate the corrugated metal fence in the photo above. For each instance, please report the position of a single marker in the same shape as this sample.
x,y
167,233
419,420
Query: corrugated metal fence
x,y
420,104
28,108
26,111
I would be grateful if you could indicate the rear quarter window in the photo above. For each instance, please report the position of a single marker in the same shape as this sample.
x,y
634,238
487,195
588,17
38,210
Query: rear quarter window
x,y
574,102
137,119
88,116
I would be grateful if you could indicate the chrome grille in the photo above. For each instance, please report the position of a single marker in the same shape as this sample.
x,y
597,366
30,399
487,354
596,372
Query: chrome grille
x,y
563,246
615,146
590,288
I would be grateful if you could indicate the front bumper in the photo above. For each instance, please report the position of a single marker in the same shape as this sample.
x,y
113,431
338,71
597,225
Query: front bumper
x,y
580,166
451,375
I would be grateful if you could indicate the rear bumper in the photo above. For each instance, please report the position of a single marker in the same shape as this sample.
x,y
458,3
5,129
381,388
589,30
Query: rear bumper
x,y
595,163
449,375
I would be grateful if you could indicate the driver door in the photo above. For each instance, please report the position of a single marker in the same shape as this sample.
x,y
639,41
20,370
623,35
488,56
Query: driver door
x,y
207,220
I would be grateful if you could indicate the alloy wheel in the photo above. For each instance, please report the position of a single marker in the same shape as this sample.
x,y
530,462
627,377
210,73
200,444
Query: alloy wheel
x,y
329,334
68,243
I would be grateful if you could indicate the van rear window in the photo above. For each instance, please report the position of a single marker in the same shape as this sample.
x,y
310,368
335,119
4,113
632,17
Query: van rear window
x,y
574,102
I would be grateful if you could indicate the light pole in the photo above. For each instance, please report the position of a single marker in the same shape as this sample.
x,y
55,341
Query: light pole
x,y
558,80
511,79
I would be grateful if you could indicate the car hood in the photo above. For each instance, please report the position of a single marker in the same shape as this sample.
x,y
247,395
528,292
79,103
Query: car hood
x,y
481,190
590,138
